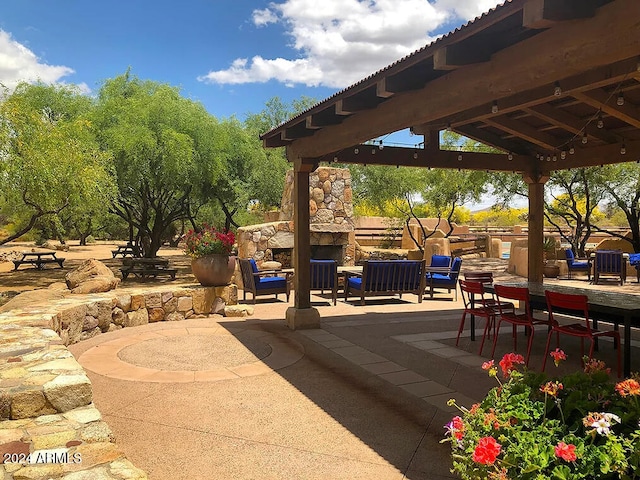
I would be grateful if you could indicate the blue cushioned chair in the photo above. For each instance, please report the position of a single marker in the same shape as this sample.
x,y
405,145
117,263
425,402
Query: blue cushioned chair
x,y
324,276
444,279
262,282
440,261
575,265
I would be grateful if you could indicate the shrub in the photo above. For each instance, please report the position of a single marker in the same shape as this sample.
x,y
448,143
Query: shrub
x,y
578,426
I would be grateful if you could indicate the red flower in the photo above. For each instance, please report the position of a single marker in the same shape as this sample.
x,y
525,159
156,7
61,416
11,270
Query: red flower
x,y
509,361
557,356
457,427
566,452
487,365
486,451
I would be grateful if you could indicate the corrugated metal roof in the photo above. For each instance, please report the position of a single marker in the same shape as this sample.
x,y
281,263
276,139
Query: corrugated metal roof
x,y
446,38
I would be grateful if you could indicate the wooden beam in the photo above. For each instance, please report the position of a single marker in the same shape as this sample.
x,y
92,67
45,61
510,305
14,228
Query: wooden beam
x,y
381,89
546,13
600,99
601,155
460,54
433,158
596,78
572,124
491,139
525,132
539,61
297,131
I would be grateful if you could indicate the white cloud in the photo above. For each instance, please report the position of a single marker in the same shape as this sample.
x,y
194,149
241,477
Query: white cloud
x,y
263,17
19,64
341,41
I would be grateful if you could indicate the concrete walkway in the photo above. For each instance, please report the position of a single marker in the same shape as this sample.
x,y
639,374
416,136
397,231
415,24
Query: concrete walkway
x,y
363,397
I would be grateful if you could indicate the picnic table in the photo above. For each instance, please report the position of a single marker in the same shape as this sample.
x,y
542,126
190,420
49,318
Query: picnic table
x,y
39,259
128,249
146,267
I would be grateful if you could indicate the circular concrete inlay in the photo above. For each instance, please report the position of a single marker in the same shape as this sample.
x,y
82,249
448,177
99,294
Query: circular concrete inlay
x,y
195,352
182,355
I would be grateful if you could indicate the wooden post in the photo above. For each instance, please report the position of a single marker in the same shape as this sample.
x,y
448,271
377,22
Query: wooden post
x,y
302,315
536,225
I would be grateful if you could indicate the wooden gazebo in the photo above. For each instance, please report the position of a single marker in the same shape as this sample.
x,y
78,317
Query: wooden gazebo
x,y
554,84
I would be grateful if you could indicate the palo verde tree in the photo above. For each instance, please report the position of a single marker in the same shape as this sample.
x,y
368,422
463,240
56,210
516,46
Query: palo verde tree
x,y
163,146
49,158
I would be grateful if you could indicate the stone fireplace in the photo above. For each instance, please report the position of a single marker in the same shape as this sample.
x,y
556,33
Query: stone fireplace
x,y
331,222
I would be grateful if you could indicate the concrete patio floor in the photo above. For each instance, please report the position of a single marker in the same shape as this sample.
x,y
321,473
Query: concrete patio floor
x,y
363,397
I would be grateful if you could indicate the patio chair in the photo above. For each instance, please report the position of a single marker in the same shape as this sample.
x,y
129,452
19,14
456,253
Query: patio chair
x,y
520,317
262,282
444,277
324,276
609,262
577,264
475,303
578,306
486,278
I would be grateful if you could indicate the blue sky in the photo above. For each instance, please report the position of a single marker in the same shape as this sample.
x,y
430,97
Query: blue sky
x,y
231,55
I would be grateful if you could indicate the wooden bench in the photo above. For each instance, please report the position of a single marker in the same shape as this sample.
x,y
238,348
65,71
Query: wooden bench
x,y
386,277
36,259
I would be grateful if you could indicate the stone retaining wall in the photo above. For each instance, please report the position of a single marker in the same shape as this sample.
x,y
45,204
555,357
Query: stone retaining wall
x,y
46,410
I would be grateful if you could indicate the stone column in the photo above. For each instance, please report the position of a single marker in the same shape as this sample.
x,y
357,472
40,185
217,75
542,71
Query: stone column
x,y
536,225
302,315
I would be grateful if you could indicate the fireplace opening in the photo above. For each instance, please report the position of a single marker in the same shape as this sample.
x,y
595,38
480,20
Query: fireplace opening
x,y
328,252
284,256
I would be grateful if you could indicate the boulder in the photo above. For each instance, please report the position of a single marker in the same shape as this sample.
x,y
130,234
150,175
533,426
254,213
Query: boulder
x,y
33,297
92,276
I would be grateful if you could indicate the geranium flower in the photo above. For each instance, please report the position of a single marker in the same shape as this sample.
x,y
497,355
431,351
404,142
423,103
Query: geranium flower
x,y
592,365
491,367
557,356
566,452
551,388
628,387
509,361
486,451
601,422
455,428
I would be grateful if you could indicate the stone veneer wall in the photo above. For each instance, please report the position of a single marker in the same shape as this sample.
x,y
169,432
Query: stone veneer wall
x,y
331,218
45,395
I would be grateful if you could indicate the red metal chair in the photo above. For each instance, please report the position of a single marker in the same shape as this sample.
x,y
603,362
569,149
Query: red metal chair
x,y
575,305
476,304
522,317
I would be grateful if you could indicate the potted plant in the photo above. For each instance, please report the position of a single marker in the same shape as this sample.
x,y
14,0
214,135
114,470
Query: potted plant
x,y
551,267
581,425
212,261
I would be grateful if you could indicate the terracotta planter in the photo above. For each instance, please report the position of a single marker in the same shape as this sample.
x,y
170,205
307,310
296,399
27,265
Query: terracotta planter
x,y
551,270
214,270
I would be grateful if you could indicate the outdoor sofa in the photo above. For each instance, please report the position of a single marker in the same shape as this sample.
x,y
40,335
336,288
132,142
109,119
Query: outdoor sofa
x,y
388,278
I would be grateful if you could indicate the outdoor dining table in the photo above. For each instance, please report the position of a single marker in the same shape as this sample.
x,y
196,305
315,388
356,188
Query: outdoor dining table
x,y
607,306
